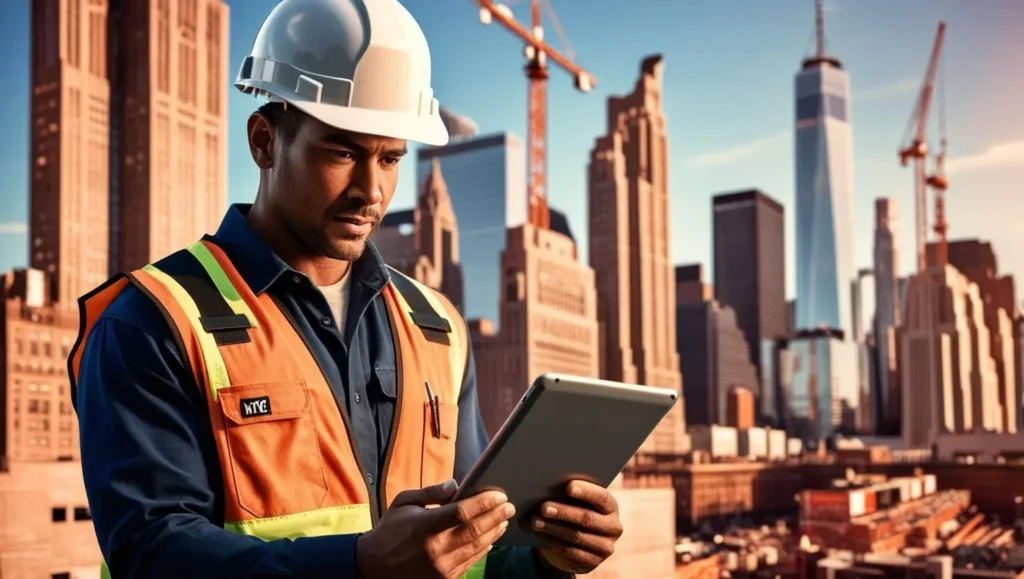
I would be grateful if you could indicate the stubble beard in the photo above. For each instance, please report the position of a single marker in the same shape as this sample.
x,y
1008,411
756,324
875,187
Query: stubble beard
x,y
316,237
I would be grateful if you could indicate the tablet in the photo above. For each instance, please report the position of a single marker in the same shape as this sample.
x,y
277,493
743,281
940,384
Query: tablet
x,y
565,428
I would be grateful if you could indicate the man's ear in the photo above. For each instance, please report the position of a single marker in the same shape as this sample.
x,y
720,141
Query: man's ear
x,y
261,140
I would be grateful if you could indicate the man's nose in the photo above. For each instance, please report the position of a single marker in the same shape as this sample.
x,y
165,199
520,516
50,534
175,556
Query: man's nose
x,y
366,183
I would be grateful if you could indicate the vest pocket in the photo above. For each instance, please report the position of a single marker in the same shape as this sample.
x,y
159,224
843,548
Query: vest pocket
x,y
439,451
273,449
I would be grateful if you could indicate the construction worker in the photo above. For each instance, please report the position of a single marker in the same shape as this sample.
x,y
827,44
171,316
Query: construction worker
x,y
273,401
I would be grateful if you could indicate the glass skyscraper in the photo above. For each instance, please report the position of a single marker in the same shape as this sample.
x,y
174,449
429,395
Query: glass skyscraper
x,y
486,178
824,231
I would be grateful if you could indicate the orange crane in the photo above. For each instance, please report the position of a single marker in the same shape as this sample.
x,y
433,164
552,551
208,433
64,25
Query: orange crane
x,y
537,53
915,146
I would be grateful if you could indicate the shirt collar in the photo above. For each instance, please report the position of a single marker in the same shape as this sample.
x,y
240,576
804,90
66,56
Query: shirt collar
x,y
260,267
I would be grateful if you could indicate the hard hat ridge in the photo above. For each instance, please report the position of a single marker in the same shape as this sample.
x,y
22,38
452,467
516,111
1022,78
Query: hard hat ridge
x,y
357,65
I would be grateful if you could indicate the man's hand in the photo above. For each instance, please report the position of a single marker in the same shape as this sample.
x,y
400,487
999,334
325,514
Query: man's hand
x,y
415,542
579,538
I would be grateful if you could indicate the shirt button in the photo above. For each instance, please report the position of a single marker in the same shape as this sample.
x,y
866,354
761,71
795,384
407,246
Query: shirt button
x,y
358,398
296,279
325,321
369,478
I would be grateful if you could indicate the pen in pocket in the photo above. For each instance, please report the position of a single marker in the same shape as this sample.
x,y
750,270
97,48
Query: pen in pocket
x,y
435,412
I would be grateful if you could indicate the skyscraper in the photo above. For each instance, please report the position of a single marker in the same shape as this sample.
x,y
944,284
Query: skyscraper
x,y
713,353
824,216
548,321
486,178
750,271
168,126
863,300
629,248
70,108
887,315
824,192
423,242
949,379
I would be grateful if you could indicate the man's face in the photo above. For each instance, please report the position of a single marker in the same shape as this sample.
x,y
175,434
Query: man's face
x,y
332,187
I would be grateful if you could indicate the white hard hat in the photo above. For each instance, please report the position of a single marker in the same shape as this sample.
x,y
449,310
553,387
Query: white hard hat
x,y
357,65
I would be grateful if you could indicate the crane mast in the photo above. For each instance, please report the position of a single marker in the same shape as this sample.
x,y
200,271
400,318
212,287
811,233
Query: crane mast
x,y
915,147
537,53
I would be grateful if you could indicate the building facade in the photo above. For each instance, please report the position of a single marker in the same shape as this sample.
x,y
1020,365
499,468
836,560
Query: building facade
x,y
713,356
69,146
750,270
630,249
862,296
824,215
486,179
168,130
437,239
887,315
977,261
548,321
950,384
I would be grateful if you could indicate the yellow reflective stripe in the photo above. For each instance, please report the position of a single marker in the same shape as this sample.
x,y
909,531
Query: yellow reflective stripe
x,y
477,570
342,520
104,570
220,279
216,371
457,350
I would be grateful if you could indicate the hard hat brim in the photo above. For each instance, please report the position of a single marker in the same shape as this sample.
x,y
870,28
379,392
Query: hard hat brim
x,y
429,130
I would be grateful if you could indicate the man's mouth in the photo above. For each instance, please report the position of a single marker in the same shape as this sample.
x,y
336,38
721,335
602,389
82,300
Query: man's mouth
x,y
355,225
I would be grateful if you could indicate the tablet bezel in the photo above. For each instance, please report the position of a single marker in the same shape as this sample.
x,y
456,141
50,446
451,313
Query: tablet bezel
x,y
663,398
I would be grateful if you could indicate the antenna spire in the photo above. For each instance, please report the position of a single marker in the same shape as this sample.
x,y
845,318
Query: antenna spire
x,y
819,27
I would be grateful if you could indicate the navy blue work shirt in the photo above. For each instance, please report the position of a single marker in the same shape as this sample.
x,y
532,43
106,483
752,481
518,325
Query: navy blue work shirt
x,y
149,459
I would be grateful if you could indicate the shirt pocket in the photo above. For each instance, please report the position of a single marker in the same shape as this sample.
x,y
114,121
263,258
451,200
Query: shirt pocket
x,y
273,448
439,447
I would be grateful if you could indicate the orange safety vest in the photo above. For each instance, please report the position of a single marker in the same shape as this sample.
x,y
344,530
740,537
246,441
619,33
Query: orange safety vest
x,y
286,454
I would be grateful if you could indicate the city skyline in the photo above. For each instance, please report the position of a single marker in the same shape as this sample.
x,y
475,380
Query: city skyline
x,y
743,146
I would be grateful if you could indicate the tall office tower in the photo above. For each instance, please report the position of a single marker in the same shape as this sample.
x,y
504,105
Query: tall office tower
x,y
977,261
437,239
948,376
168,126
713,354
548,321
486,178
863,300
887,315
70,109
824,215
629,248
750,271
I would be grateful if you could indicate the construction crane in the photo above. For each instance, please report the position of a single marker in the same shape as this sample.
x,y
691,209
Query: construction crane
x,y
937,180
915,146
537,53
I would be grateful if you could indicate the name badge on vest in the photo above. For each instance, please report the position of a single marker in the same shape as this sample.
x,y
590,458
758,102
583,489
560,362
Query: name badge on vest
x,y
255,407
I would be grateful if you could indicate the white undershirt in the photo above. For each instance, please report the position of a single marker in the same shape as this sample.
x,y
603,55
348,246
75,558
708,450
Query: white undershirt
x,y
337,298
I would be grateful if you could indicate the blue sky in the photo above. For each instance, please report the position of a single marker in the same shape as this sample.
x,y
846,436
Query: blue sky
x,y
729,69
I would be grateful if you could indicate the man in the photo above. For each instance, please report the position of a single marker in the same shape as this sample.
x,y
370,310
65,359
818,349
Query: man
x,y
273,401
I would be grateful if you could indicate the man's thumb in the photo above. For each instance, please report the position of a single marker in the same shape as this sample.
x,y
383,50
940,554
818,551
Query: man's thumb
x,y
433,495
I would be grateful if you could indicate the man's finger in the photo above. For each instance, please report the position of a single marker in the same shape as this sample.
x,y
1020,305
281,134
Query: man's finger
x,y
585,518
477,527
462,558
579,544
460,512
594,494
433,495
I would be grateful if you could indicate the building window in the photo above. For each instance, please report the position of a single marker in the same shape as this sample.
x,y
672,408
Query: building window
x,y
60,576
82,514
59,514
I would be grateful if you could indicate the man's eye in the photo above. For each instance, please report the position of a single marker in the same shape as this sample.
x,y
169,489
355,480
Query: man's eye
x,y
341,154
389,160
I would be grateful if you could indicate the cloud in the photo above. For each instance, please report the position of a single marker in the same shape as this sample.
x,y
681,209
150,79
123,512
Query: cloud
x,y
741,152
897,88
1004,154
12,228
